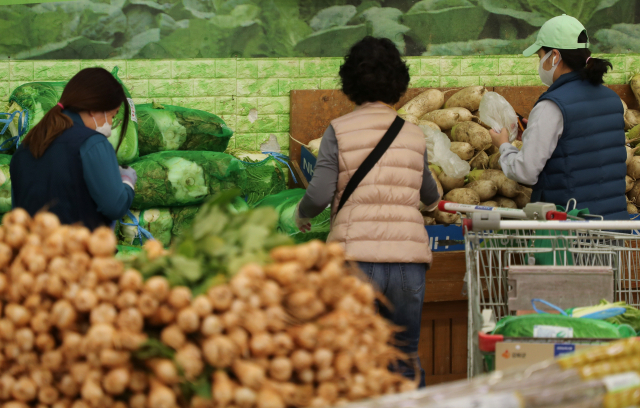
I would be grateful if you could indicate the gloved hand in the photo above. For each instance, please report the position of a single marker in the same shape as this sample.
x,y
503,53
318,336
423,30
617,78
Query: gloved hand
x,y
303,224
129,176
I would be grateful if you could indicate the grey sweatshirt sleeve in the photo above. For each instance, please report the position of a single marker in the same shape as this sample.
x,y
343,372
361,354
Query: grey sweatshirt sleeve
x,y
429,194
322,187
539,140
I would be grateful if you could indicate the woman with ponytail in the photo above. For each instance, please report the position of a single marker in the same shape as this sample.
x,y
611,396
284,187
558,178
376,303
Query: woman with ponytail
x,y
65,163
574,144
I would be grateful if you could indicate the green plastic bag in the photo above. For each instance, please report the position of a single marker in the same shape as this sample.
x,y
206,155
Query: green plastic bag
x,y
285,204
546,258
128,149
631,317
5,184
158,221
523,326
174,179
165,128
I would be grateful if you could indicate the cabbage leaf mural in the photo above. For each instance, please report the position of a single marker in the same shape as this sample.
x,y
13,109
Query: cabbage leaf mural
x,y
123,29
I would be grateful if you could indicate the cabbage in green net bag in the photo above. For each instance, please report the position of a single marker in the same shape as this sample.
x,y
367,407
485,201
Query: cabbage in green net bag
x,y
158,221
5,184
173,179
266,174
127,150
164,128
37,98
285,204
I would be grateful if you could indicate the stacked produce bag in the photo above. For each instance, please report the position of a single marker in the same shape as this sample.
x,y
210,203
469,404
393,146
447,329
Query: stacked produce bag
x,y
227,317
178,154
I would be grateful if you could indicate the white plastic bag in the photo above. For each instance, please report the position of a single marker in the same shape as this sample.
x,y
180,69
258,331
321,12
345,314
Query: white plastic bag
x,y
496,112
439,153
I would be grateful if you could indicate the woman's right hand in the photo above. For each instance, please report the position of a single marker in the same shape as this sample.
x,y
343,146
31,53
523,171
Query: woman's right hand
x,y
129,176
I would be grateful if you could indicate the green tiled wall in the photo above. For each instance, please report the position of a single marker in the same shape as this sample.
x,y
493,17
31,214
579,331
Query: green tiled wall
x,y
230,88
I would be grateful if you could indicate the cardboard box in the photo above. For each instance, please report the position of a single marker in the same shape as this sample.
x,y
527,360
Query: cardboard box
x,y
509,355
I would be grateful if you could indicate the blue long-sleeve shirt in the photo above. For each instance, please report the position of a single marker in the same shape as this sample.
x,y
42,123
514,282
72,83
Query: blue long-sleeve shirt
x,y
102,175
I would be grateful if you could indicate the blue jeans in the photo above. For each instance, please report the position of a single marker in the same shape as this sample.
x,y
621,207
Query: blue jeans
x,y
403,285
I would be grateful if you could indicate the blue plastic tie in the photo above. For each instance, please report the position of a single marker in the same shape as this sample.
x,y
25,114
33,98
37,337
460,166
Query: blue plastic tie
x,y
15,140
276,156
136,223
544,302
284,160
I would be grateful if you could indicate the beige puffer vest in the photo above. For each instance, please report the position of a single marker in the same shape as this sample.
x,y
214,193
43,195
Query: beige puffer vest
x,y
380,222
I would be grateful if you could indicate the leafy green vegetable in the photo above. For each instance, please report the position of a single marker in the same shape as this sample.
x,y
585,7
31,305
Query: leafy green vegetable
x,y
219,242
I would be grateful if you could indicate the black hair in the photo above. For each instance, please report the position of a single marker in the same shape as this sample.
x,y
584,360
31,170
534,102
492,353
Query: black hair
x,y
374,71
92,89
593,71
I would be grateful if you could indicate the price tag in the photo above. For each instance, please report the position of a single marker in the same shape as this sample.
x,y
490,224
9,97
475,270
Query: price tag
x,y
506,400
132,107
620,382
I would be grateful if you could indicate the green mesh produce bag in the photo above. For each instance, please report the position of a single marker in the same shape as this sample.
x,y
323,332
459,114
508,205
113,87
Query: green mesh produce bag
x,y
285,204
523,326
158,221
5,184
36,98
128,149
174,179
164,128
264,178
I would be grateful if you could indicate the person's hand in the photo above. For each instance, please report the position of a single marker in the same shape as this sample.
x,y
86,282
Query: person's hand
x,y
129,176
499,139
303,224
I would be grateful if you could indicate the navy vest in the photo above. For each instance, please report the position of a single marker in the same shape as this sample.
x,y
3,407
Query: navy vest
x,y
589,162
55,181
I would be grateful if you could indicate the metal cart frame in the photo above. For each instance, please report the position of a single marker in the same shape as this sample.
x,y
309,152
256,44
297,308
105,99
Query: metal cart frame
x,y
489,253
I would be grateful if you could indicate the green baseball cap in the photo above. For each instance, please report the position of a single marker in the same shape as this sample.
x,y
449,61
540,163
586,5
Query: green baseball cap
x,y
560,33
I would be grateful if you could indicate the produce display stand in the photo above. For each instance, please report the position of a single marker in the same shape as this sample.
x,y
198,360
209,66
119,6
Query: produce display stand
x,y
579,253
443,345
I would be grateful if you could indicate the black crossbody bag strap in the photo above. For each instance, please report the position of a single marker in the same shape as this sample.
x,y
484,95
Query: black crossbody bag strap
x,y
371,160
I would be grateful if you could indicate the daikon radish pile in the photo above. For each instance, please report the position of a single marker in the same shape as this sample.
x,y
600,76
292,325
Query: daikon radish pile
x,y
464,150
468,98
80,330
426,102
472,133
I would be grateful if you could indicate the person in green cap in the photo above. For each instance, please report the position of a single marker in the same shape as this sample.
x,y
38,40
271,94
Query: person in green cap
x,y
574,144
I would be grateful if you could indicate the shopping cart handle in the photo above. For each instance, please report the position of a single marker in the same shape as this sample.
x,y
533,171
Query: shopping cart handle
x,y
556,216
487,342
442,206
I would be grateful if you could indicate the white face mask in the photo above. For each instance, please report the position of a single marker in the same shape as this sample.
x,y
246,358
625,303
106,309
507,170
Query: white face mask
x,y
104,129
547,76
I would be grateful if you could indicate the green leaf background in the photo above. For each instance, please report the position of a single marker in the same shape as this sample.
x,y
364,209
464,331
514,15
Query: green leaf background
x,y
103,29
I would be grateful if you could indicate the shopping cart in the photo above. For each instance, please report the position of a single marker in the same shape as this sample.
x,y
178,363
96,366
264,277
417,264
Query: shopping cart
x,y
494,246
